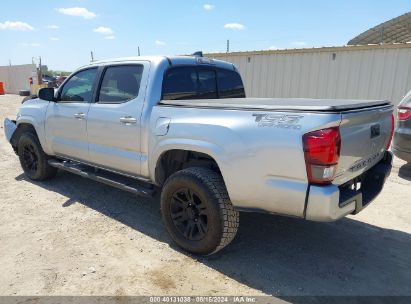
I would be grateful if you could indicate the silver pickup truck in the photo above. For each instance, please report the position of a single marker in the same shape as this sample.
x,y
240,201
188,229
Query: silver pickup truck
x,y
183,125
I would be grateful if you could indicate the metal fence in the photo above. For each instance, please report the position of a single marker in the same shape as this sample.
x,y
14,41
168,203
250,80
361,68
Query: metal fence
x,y
355,72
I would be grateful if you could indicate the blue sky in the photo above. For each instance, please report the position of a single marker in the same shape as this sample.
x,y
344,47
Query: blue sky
x,y
64,32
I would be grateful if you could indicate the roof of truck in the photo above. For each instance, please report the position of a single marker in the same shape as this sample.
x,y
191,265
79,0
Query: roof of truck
x,y
173,60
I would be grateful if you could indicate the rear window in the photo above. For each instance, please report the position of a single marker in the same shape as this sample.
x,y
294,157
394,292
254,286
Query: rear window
x,y
230,84
207,84
201,83
180,83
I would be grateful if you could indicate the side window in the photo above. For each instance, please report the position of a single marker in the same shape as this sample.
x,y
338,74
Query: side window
x,y
230,84
180,83
120,83
79,88
207,84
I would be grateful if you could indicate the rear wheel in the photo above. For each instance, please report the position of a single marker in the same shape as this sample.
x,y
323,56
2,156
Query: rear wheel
x,y
33,160
197,211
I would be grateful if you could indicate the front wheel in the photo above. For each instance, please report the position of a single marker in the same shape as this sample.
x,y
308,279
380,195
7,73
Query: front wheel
x,y
197,211
33,160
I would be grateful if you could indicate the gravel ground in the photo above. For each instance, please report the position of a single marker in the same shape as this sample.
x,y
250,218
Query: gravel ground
x,y
71,236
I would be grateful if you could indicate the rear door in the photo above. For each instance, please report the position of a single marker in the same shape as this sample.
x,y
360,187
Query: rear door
x,y
65,124
364,137
114,120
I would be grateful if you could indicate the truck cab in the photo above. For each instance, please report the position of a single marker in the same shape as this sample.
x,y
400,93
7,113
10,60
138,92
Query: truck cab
x,y
100,107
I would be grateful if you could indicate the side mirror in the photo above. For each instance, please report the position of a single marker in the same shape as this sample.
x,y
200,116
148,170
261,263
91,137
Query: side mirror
x,y
47,94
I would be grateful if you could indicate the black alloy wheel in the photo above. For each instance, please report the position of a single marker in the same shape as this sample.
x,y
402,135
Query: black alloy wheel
x,y
30,159
33,160
189,214
197,210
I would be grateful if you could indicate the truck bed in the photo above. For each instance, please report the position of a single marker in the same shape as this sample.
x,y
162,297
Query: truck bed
x,y
279,104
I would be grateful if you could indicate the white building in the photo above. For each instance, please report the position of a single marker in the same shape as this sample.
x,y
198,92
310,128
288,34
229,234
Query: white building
x,y
16,77
359,72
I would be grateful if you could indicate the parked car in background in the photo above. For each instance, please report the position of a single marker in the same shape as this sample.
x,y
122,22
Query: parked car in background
x,y
60,80
47,78
50,81
402,135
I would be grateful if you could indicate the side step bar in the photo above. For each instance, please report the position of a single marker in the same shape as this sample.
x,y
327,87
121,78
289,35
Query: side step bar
x,y
115,180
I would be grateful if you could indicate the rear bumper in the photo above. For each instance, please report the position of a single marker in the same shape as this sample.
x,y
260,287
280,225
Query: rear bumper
x,y
330,203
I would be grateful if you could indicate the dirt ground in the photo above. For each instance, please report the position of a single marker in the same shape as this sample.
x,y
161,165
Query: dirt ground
x,y
71,236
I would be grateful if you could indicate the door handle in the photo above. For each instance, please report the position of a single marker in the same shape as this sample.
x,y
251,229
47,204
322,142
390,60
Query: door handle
x,y
128,120
79,115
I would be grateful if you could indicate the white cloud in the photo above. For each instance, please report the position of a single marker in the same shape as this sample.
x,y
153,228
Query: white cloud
x,y
273,47
208,7
235,26
160,43
78,12
299,43
53,27
35,44
54,39
103,30
111,37
16,25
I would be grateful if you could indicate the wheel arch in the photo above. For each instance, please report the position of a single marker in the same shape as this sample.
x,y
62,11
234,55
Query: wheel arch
x,y
22,127
175,159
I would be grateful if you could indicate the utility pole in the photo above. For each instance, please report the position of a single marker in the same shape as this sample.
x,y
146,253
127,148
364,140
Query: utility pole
x,y
228,46
138,48
40,76
92,56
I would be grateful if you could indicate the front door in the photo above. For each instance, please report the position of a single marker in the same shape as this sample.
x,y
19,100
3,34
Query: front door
x,y
114,120
65,123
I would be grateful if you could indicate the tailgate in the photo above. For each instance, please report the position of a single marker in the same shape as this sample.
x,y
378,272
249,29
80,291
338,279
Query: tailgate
x,y
364,136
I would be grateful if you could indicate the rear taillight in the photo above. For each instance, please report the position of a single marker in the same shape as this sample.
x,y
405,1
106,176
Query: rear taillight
x,y
322,152
387,147
404,113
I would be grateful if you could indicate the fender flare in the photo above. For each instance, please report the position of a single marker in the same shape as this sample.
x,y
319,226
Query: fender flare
x,y
210,149
28,120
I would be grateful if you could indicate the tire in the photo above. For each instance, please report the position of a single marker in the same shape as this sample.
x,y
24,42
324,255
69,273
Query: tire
x,y
197,211
24,93
33,160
